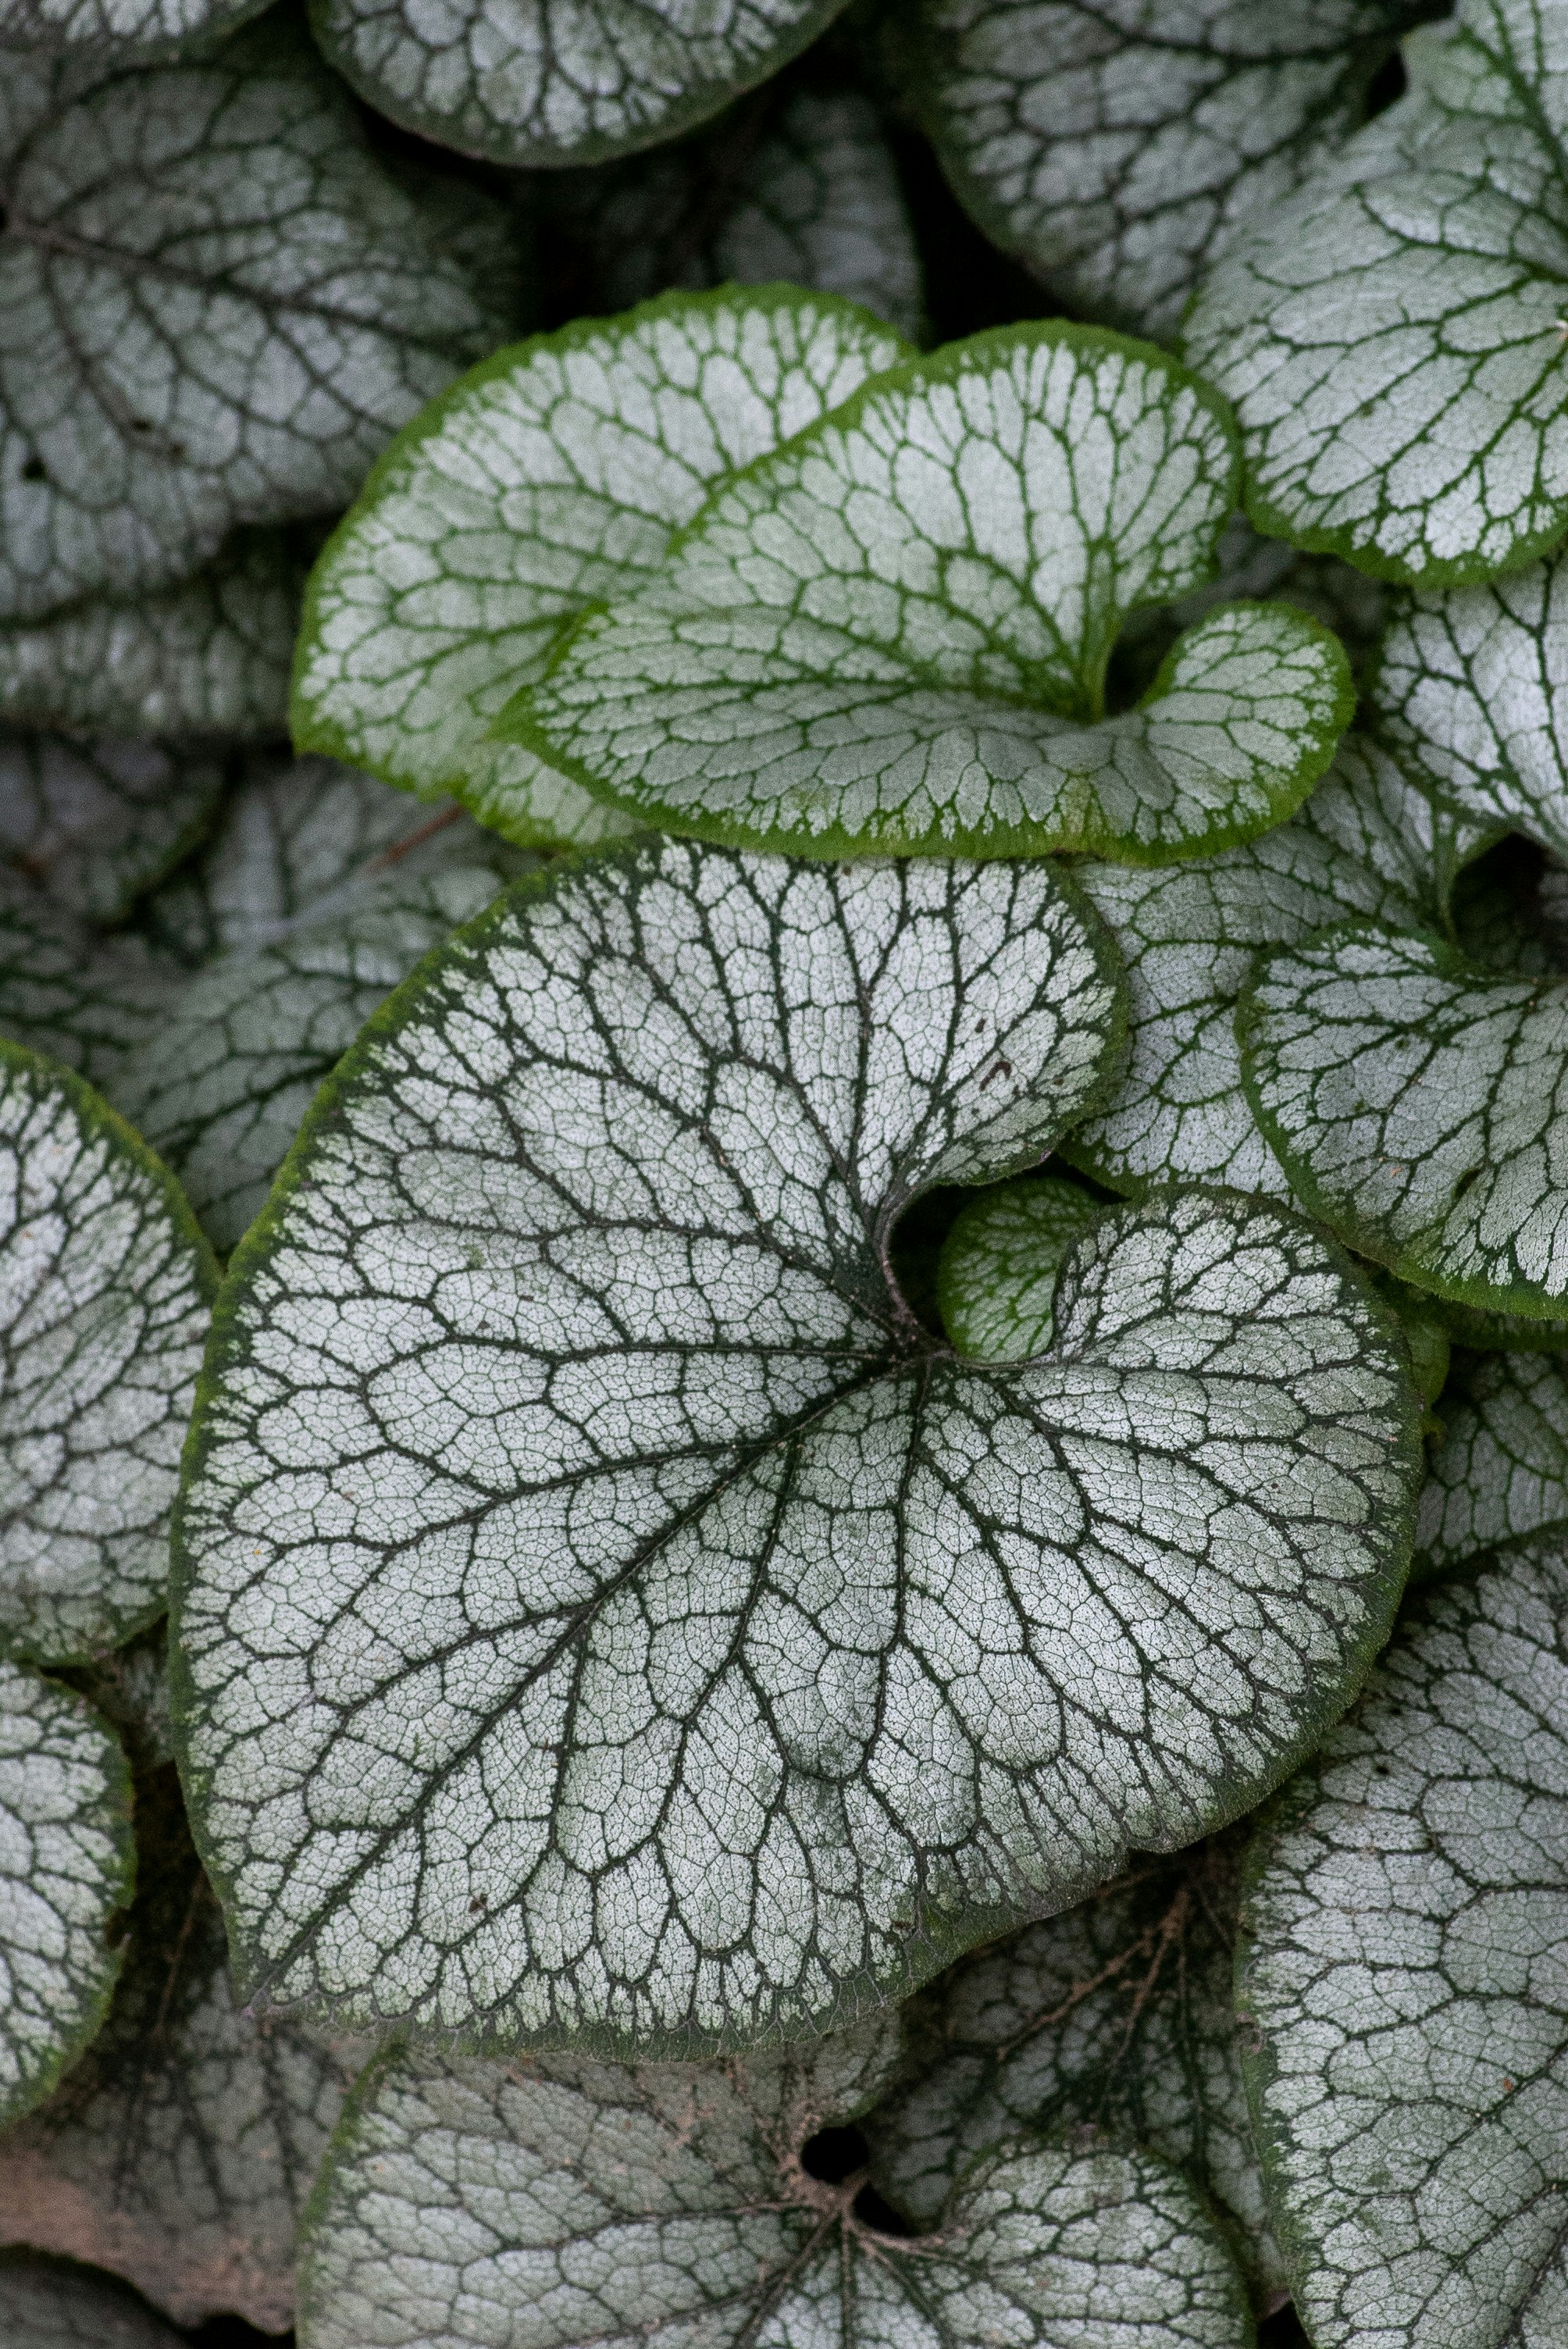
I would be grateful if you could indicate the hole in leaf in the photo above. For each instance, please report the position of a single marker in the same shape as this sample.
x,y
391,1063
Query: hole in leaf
x,y
833,2154
1471,1175
1388,83
35,470
879,2215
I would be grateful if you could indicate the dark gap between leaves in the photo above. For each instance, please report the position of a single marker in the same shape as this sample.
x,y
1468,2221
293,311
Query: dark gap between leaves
x,y
833,2154
233,2332
1282,2329
1389,84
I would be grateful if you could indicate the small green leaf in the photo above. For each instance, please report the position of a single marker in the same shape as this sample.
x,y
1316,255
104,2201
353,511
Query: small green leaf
x,y
647,2203
1413,1099
216,308
1117,148
1367,841
179,2150
1501,1468
47,2305
807,1654
208,656
106,1286
1403,1969
99,824
547,82
807,191
66,1864
1118,2015
1390,336
996,1281
551,475
892,634
1470,693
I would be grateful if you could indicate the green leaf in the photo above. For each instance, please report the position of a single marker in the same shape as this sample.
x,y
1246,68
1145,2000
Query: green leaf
x,y
892,632
1501,1468
1365,842
570,1323
1390,336
639,2204
179,2150
128,31
1470,693
1406,1921
216,308
208,656
807,191
97,823
104,1301
997,1280
1118,149
551,475
548,82
1118,2015
45,2306
1412,1099
66,1864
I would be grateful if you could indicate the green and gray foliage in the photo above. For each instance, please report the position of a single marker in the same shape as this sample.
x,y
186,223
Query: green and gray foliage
x,y
846,1629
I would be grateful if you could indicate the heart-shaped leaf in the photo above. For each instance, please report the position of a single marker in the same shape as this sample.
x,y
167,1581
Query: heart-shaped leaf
x,y
47,2305
1470,693
805,191
710,1691
66,1865
1117,149
893,632
1404,1972
1501,1468
1118,2015
99,824
654,2202
997,1279
210,656
547,82
1390,336
104,1305
1367,841
1413,1099
216,308
179,2150
552,475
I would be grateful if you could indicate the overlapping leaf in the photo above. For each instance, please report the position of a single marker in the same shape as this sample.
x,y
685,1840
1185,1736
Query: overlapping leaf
x,y
1501,1468
1118,146
553,475
1119,2016
1367,843
710,1688
99,824
1471,693
997,1275
1407,1919
894,633
216,308
45,2304
625,2203
256,969
209,657
105,1291
1390,337
1421,1107
180,2150
65,1867
550,82
805,191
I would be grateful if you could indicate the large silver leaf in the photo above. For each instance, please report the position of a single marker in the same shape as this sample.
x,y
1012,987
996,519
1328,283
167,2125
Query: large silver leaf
x,y
606,1612
654,2205
216,308
1408,1915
